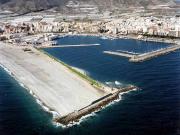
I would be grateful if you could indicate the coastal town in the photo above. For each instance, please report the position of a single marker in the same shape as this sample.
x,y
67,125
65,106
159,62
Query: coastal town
x,y
133,26
41,30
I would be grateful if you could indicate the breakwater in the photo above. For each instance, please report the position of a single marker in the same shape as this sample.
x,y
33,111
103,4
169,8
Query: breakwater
x,y
119,54
95,105
145,56
65,46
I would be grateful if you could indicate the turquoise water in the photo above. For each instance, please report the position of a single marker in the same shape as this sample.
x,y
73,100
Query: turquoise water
x,y
155,109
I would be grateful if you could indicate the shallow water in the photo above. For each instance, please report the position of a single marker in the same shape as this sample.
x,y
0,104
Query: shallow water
x,y
155,109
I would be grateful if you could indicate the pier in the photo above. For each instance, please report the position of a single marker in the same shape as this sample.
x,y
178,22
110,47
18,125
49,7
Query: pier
x,y
66,46
145,56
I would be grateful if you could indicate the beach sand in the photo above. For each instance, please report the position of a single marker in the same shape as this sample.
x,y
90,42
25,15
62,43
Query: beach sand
x,y
56,86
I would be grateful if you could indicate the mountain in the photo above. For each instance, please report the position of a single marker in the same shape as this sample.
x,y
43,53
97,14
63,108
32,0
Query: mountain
x,y
75,6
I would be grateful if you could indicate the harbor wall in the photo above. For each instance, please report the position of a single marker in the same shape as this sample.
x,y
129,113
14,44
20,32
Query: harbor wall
x,y
144,56
147,56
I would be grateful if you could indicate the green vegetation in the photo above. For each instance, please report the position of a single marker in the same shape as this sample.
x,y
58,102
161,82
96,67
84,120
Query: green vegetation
x,y
90,80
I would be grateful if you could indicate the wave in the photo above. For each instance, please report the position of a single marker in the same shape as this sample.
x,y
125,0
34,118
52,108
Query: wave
x,y
22,85
6,69
45,108
117,83
82,71
55,114
108,83
103,37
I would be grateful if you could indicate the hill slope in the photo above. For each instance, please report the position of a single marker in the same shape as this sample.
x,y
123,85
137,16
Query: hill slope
x,y
23,6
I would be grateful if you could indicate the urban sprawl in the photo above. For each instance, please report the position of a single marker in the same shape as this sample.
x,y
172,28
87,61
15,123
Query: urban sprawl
x,y
140,27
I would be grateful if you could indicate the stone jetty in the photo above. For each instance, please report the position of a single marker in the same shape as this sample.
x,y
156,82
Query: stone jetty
x,y
66,46
144,56
95,105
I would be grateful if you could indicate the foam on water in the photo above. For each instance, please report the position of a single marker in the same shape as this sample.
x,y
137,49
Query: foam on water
x,y
55,114
83,118
104,37
118,83
6,69
82,71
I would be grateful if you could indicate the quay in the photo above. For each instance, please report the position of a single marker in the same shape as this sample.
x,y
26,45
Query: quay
x,y
145,56
66,46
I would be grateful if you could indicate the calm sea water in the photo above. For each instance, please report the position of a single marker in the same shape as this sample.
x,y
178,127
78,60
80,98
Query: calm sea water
x,y
153,110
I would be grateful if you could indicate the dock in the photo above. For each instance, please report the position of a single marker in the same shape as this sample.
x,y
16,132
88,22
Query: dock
x,y
66,46
145,56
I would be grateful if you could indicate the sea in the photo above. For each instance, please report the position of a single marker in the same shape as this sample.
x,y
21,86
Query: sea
x,y
153,109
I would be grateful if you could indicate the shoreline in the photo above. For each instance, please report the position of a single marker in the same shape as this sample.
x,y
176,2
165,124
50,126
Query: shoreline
x,y
93,107
80,74
78,115
38,99
85,117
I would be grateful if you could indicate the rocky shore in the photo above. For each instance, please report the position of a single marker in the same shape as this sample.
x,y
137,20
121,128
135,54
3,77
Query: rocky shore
x,y
94,106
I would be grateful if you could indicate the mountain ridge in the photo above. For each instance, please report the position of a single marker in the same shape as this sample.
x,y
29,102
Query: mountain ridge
x,y
23,6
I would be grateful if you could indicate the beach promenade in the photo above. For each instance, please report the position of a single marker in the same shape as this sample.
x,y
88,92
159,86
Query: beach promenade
x,y
57,87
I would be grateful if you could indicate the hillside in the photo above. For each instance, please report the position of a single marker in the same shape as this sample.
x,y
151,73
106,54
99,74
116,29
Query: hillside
x,y
75,6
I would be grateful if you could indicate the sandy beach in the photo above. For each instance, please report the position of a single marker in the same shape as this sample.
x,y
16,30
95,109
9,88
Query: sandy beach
x,y
56,86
